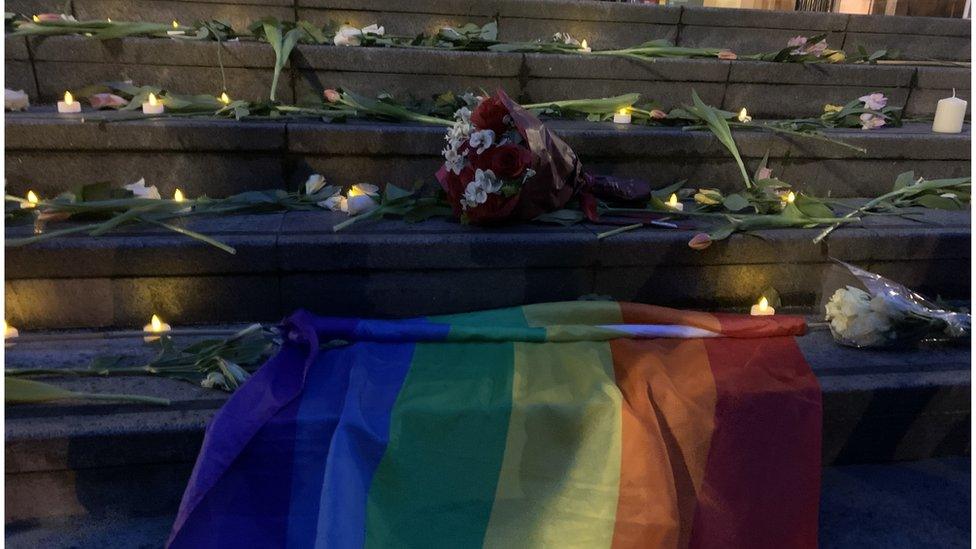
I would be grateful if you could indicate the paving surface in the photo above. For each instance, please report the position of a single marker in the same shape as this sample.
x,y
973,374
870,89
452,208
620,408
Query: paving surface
x,y
905,505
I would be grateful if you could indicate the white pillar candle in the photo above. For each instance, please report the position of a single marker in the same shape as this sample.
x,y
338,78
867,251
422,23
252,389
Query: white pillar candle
x,y
762,308
949,115
69,105
153,106
622,117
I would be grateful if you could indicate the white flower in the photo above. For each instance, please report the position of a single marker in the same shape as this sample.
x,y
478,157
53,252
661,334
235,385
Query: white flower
x,y
140,190
870,121
348,36
860,319
474,194
314,183
471,100
481,140
15,100
453,160
214,379
874,101
361,198
374,29
488,180
335,203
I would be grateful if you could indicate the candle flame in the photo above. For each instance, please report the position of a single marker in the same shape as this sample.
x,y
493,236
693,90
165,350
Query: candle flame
x,y
744,115
583,45
791,197
108,19
152,99
178,195
622,111
354,191
176,24
763,304
224,98
156,325
9,331
36,19
673,201
32,198
68,98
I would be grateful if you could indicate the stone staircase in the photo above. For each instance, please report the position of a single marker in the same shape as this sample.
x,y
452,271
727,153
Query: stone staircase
x,y
99,461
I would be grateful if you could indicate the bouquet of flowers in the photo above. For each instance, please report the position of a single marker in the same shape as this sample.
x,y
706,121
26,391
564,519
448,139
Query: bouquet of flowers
x,y
502,163
885,314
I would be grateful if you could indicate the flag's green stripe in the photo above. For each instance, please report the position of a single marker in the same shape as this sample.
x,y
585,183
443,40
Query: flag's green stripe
x,y
560,477
457,397
591,313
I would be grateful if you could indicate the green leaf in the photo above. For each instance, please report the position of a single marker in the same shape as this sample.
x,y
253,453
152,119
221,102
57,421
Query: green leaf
x,y
721,129
564,217
26,391
904,179
392,193
812,207
736,202
937,202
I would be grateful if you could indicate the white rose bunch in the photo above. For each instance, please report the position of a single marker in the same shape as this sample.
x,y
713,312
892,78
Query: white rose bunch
x,y
858,319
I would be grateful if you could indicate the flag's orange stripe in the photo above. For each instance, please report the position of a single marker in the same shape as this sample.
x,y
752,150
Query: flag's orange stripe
x,y
667,420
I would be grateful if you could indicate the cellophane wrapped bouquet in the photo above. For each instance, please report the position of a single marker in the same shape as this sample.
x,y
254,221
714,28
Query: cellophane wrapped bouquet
x,y
877,312
502,163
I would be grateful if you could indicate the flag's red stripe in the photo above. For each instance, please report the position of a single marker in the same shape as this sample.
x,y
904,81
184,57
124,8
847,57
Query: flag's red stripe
x,y
762,480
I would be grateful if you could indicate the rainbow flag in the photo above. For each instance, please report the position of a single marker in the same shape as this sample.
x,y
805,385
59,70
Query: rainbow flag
x,y
580,424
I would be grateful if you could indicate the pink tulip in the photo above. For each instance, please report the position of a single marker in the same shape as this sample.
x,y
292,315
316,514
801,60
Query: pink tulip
x,y
700,241
658,114
107,101
727,55
332,96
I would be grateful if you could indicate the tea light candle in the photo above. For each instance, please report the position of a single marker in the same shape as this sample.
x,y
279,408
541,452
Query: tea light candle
x,y
744,116
622,117
674,204
32,200
176,25
584,46
224,98
949,115
155,326
69,105
153,106
9,332
762,308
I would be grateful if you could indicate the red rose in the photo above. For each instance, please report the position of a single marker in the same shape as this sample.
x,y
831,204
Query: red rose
x,y
454,185
490,115
506,161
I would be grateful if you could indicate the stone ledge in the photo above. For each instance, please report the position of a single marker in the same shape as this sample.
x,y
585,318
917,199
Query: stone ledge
x,y
46,152
389,268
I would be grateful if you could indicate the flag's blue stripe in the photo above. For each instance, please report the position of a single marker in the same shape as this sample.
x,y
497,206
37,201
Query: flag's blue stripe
x,y
318,414
375,380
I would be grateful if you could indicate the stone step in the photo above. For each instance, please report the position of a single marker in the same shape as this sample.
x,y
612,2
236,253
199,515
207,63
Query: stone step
x,y
50,153
101,460
285,261
879,505
48,66
604,24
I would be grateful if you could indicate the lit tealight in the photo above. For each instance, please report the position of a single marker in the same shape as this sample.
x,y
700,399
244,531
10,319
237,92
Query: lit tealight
x,y
155,326
32,200
69,105
36,19
762,308
224,98
152,105
176,29
9,332
176,24
178,195
674,204
790,197
584,46
108,19
622,116
744,115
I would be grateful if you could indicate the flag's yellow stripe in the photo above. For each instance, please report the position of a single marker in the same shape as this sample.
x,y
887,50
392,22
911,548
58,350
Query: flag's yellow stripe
x,y
560,473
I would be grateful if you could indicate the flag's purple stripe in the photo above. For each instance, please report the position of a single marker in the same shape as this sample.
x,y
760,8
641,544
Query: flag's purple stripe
x,y
648,331
360,440
394,331
232,495
271,389
318,414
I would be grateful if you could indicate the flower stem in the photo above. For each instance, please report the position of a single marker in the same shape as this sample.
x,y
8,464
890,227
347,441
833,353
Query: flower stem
x,y
619,230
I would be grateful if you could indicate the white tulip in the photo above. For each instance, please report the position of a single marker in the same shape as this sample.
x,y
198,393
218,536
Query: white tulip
x,y
360,203
15,100
348,36
374,29
335,203
140,190
314,184
860,319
